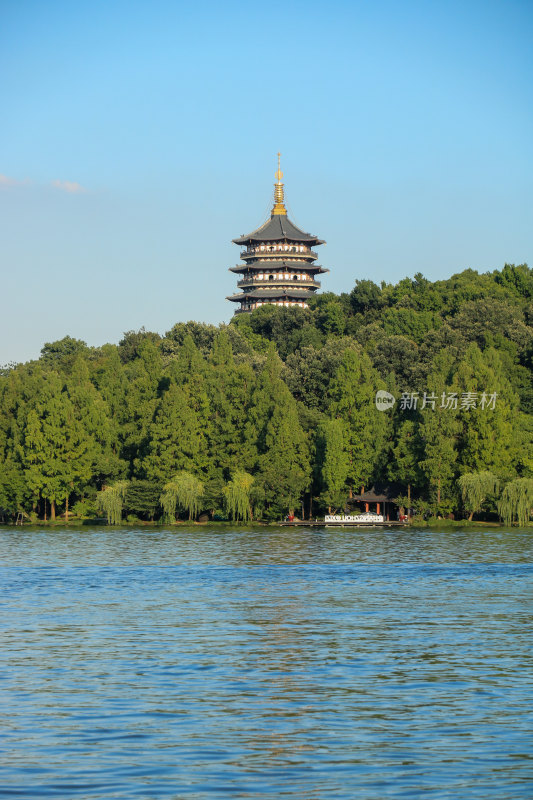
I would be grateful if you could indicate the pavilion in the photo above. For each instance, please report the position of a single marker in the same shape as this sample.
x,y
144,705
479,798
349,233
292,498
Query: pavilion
x,y
380,498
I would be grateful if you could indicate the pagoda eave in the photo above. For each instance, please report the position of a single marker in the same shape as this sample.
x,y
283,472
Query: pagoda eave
x,y
269,294
278,228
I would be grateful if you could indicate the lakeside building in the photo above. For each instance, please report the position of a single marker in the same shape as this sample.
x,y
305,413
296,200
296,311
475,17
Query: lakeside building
x,y
279,266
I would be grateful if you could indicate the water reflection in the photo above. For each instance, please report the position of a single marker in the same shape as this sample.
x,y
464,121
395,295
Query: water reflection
x,y
270,663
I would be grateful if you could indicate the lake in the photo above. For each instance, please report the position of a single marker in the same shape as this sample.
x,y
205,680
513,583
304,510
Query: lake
x,y
194,662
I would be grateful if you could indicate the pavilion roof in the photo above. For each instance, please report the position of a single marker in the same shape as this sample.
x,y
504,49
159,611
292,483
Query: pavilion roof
x,y
379,493
278,227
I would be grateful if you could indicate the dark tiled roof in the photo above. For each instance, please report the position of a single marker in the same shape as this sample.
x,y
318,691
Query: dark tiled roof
x,y
278,227
378,494
280,291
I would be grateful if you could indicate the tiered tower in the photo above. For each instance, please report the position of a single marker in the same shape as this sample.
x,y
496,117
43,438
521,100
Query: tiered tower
x,y
279,266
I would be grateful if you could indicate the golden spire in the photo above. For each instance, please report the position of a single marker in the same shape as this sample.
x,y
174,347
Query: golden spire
x,y
279,205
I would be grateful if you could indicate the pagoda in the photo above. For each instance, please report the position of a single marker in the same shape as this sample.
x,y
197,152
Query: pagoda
x,y
279,262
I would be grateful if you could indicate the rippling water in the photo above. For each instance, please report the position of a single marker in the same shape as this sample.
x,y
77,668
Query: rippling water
x,y
199,663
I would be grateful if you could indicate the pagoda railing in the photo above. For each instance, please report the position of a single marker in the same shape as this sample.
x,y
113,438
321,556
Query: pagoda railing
x,y
279,254
247,309
297,284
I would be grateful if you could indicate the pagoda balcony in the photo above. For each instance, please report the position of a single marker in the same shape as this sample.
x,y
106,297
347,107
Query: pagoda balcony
x,y
282,281
247,309
279,254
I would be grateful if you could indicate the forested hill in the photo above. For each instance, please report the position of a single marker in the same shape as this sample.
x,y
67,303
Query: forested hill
x,y
278,408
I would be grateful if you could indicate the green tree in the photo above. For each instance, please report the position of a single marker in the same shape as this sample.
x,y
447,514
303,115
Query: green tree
x,y
58,451
237,493
516,503
132,344
309,371
99,460
62,354
487,429
229,388
185,490
365,296
142,498
143,376
439,430
404,466
475,488
111,500
176,438
332,463
276,447
352,400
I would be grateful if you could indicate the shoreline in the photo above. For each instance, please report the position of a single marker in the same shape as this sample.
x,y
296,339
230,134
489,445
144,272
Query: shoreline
x,y
223,524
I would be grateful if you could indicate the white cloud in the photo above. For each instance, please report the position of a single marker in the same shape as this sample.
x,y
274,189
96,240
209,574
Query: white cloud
x,y
5,180
69,186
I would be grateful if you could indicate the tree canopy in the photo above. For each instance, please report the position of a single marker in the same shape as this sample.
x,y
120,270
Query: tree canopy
x,y
276,411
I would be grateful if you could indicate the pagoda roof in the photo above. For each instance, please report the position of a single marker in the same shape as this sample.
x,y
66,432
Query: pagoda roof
x,y
281,291
272,266
278,227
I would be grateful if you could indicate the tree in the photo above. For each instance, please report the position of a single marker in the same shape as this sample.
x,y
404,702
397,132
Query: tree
x,y
284,468
518,278
143,376
229,387
404,466
99,461
111,500
439,430
185,490
332,463
275,448
331,319
352,400
486,441
142,498
58,450
365,296
237,496
62,354
309,371
400,356
283,326
202,336
131,345
176,439
475,488
15,397
516,502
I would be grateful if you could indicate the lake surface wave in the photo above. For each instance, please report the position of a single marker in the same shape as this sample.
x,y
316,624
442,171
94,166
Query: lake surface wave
x,y
266,663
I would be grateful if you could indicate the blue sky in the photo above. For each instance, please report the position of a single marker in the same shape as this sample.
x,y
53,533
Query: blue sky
x,y
139,138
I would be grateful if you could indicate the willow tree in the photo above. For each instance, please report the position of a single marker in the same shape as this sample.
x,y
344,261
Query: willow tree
x,y
237,496
516,502
185,490
475,488
111,500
